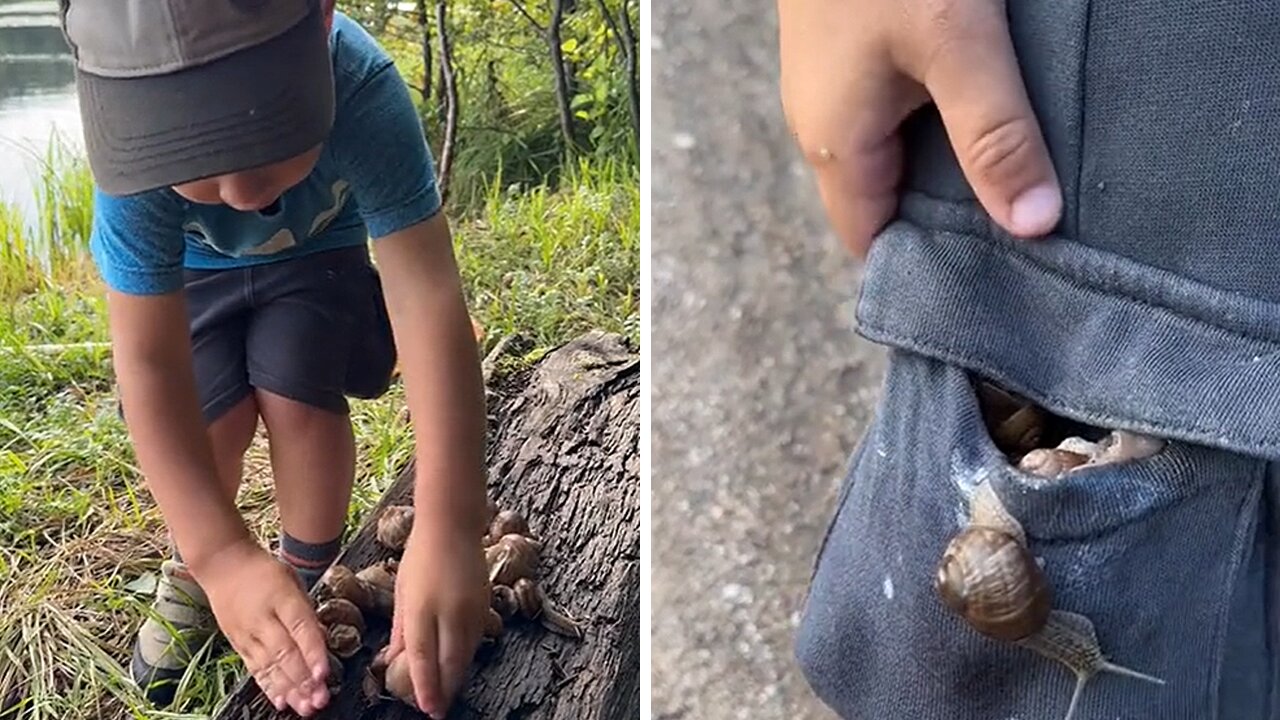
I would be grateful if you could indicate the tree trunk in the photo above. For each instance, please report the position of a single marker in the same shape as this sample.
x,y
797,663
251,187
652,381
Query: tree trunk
x,y
451,97
564,452
633,68
625,34
424,29
563,97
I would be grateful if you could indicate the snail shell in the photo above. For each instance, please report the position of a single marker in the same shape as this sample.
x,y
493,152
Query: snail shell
x,y
991,580
340,611
394,525
343,640
504,601
512,557
340,582
507,522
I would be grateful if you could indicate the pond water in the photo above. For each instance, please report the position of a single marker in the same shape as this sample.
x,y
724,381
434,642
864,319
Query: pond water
x,y
37,95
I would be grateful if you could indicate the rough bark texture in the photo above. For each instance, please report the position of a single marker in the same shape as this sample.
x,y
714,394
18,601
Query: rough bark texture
x,y
564,451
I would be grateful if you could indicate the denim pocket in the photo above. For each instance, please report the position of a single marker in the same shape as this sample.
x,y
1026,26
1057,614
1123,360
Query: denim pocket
x,y
1149,550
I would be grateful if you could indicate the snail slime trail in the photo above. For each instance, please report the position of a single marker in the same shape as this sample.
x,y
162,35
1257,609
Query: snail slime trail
x,y
988,575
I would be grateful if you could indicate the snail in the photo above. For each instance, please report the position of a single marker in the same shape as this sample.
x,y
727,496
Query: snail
x,y
340,611
988,577
375,675
504,601
394,526
512,557
507,522
339,582
1051,462
343,640
535,605
398,681
380,581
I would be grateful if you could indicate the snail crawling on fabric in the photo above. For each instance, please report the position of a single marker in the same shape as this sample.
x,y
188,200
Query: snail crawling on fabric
x,y
989,577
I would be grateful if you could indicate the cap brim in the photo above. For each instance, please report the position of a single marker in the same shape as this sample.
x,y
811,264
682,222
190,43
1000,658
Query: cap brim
x,y
252,108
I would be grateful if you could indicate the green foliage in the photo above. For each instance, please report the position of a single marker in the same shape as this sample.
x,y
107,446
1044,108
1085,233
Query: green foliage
x,y
508,124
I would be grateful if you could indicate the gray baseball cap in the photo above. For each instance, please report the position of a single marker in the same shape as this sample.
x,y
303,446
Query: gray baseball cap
x,y
182,90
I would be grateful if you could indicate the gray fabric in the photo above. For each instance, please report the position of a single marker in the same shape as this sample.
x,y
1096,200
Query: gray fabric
x,y
1171,558
1154,307
312,329
259,105
137,38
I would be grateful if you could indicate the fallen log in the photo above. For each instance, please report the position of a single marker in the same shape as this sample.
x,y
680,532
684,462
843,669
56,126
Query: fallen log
x,y
564,452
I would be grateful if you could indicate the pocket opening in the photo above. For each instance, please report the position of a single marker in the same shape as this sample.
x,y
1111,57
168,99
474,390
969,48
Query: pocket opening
x,y
1089,500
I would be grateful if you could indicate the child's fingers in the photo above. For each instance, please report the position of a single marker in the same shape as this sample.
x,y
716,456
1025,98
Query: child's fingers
x,y
458,639
420,642
281,657
297,616
859,192
972,74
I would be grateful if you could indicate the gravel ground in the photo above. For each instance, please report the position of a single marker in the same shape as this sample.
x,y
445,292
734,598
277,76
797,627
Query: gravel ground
x,y
760,388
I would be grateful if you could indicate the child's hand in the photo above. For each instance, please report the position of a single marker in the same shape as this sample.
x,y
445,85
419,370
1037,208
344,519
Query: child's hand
x,y
264,613
442,595
853,71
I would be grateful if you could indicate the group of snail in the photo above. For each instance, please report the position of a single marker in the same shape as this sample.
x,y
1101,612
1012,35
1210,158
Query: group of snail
x,y
347,598
988,575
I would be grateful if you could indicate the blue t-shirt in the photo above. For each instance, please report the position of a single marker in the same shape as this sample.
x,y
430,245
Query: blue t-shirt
x,y
375,175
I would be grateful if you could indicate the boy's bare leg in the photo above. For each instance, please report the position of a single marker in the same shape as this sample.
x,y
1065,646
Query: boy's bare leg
x,y
313,460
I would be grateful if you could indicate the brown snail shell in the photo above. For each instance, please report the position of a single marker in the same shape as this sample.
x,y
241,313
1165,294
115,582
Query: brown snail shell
x,y
340,582
394,525
380,580
535,605
504,601
993,582
507,522
340,611
343,640
379,575
512,557
399,683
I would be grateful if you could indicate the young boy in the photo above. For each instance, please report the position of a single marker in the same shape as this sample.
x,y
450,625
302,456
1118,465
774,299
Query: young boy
x,y
244,153
1132,144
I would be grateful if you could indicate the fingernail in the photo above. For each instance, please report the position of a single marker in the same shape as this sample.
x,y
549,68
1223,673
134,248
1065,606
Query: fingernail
x,y
1036,211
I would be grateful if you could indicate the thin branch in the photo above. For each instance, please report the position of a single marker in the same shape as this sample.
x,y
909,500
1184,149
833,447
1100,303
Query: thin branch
x,y
537,26
613,26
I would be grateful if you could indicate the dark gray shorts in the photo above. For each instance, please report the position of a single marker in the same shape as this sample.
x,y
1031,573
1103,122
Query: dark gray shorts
x,y
313,329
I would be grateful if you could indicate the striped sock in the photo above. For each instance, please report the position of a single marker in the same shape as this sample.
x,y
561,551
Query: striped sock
x,y
310,560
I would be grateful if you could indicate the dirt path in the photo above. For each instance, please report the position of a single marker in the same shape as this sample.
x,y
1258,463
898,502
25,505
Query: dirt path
x,y
760,387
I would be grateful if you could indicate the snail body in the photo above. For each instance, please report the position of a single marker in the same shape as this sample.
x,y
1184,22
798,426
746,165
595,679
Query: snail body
x,y
989,577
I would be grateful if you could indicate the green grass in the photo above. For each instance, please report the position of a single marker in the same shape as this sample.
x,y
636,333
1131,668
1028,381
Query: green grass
x,y
77,528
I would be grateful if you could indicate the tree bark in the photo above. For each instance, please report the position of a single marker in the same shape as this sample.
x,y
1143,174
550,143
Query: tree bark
x,y
424,29
451,97
564,452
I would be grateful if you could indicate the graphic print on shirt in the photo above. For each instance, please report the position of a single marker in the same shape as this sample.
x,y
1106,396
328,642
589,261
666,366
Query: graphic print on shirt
x,y
233,233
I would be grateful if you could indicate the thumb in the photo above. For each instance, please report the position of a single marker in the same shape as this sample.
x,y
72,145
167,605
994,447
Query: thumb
x,y
974,80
